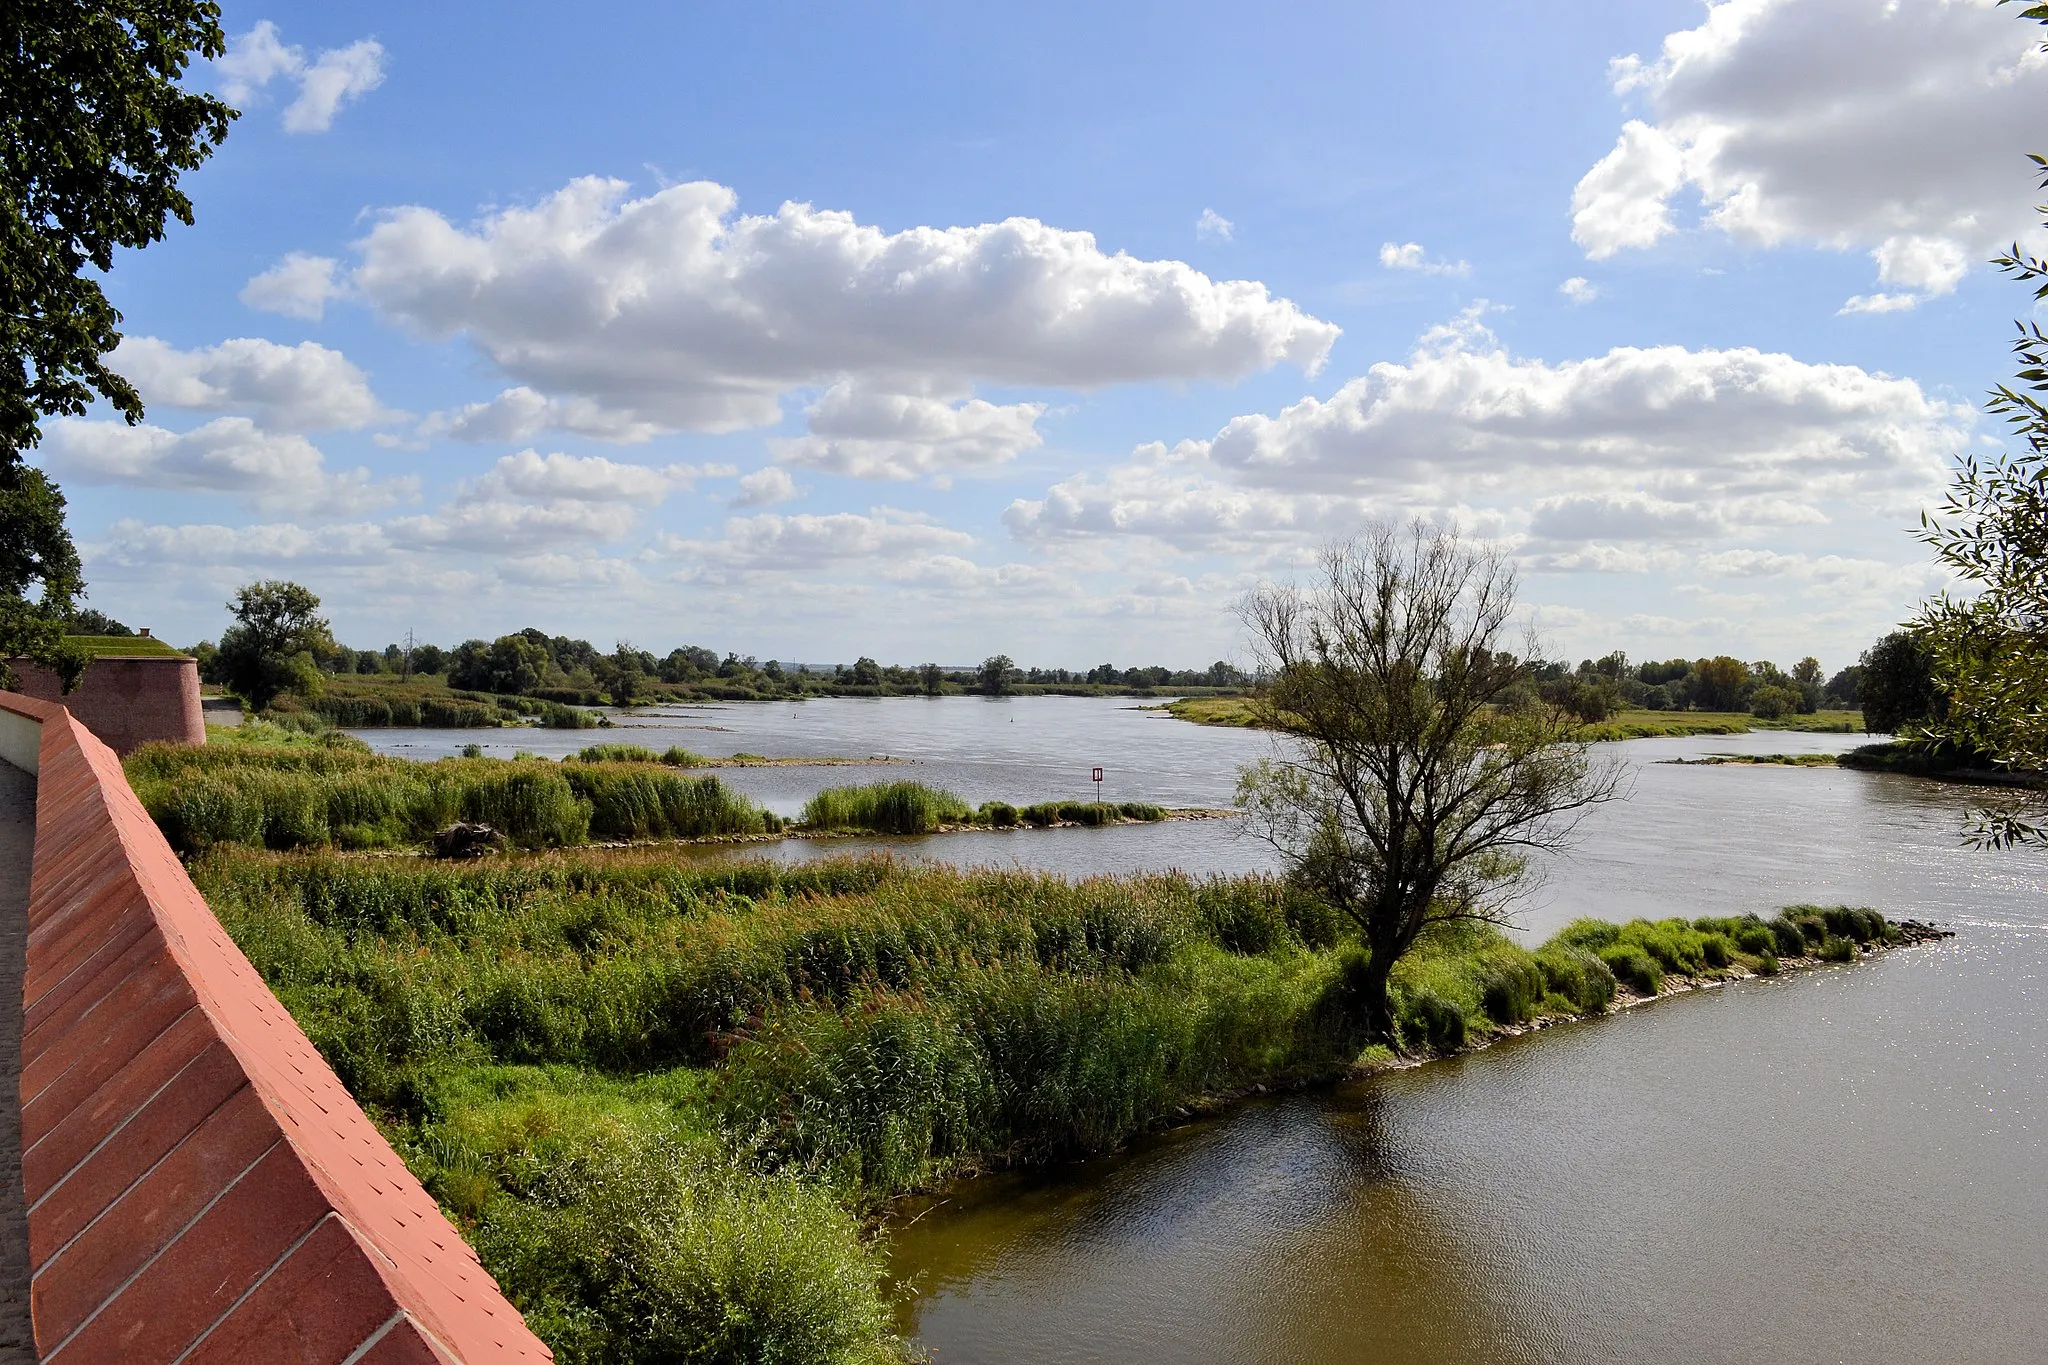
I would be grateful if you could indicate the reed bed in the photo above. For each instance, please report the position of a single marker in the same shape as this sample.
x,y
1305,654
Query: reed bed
x,y
331,791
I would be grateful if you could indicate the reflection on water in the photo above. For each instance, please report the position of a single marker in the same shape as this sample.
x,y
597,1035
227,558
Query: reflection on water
x,y
1843,1165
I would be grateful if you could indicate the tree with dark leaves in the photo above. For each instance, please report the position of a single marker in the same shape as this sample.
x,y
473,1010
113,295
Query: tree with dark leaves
x,y
97,130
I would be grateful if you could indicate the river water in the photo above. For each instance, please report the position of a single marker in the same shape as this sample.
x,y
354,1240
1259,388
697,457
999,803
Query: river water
x,y
1842,1165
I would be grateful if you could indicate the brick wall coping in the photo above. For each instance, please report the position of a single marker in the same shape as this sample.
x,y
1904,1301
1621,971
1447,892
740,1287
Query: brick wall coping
x,y
201,1188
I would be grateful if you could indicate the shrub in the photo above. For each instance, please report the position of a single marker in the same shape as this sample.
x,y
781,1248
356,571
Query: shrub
x,y
633,1243
997,815
649,801
615,753
1791,940
1577,975
886,808
1633,967
1041,814
1756,939
1141,810
1427,1018
1834,949
1510,988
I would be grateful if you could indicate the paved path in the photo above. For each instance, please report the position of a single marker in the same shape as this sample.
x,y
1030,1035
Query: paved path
x,y
17,846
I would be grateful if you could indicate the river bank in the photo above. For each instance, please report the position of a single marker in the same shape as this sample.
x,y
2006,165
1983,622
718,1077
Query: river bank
x,y
662,1097
1239,713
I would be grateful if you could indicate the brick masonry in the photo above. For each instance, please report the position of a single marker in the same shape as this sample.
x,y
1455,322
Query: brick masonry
x,y
128,701
200,1187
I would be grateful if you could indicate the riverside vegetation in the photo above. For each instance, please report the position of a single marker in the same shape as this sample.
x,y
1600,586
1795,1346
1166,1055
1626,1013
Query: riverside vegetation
x,y
271,786
667,1103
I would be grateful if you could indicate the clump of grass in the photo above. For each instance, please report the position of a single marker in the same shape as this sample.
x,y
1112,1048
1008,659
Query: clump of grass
x,y
996,815
885,808
321,790
676,756
615,753
645,800
1141,810
624,1235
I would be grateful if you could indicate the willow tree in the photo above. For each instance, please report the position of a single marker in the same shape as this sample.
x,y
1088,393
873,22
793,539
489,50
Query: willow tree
x,y
1417,777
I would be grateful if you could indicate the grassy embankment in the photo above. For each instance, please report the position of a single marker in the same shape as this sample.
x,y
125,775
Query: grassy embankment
x,y
373,702
665,1101
1237,711
264,786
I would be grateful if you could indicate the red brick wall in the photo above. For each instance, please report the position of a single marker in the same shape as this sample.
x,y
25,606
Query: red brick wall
x,y
200,1186
127,702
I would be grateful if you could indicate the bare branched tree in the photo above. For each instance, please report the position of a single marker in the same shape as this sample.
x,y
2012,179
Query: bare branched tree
x,y
1419,775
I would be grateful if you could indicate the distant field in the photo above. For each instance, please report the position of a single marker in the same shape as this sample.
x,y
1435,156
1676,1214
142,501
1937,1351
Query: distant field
x,y
1236,711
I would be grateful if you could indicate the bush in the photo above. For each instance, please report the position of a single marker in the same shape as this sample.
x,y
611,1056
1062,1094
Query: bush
x,y
1633,967
1141,810
1577,975
885,808
615,753
1041,814
997,815
649,801
676,756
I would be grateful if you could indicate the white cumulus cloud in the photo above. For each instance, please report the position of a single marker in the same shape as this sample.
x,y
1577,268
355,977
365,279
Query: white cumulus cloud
x,y
677,312
299,286
1579,289
866,434
307,387
273,470
808,541
584,478
1897,128
333,78
765,487
1213,226
1411,256
1640,444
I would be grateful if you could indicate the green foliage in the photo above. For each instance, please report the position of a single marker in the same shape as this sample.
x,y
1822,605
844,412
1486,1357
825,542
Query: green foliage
x,y
624,1235
1897,686
99,128
265,789
676,756
36,552
647,800
616,753
1143,811
1633,967
885,808
269,650
996,815
1577,976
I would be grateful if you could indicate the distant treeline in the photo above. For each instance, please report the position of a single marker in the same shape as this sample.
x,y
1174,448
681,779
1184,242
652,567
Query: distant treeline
x,y
557,668
1598,688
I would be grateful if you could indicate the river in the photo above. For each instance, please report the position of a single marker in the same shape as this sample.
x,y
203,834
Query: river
x,y
1843,1165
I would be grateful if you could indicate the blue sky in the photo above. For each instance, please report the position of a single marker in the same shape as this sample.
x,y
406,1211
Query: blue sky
x,y
776,329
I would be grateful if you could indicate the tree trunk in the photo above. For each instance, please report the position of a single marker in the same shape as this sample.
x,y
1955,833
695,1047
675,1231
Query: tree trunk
x,y
1377,1001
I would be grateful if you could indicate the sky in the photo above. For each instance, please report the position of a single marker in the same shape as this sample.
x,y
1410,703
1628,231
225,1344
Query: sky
x,y
928,332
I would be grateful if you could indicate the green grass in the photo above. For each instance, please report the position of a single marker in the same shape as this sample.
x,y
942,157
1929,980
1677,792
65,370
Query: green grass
x,y
885,808
273,787
663,1100
144,646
